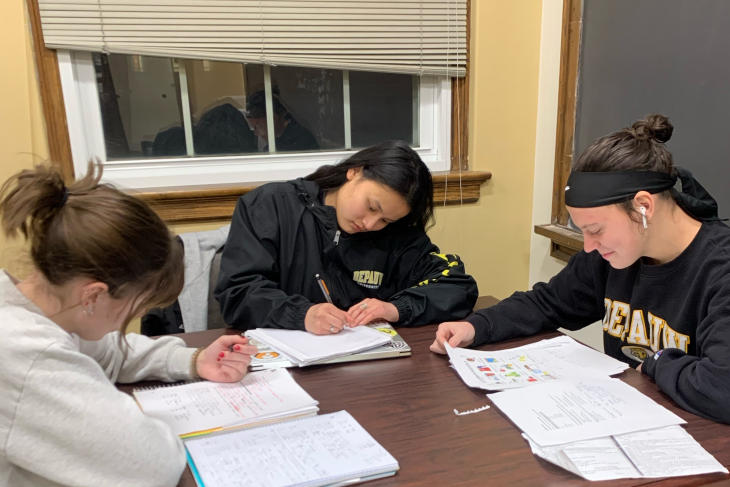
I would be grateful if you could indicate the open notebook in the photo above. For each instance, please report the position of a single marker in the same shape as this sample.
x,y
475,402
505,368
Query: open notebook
x,y
304,348
327,450
268,358
208,407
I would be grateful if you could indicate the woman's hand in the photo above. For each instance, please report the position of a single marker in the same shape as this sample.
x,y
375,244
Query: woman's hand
x,y
218,363
457,333
326,319
373,309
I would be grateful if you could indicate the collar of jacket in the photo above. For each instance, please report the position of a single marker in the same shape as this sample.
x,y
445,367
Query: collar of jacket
x,y
307,192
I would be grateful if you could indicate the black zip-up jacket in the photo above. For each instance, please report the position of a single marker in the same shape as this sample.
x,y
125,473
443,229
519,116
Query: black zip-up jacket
x,y
681,308
282,236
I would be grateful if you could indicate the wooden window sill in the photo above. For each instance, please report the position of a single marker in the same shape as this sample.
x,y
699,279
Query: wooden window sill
x,y
564,242
216,203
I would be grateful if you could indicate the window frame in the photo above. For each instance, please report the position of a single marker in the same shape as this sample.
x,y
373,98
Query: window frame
x,y
179,205
565,241
83,113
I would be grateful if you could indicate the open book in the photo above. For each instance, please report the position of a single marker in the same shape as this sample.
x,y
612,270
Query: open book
x,y
331,449
304,348
207,407
268,358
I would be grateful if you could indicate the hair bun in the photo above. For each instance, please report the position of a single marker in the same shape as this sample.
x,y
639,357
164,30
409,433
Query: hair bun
x,y
655,126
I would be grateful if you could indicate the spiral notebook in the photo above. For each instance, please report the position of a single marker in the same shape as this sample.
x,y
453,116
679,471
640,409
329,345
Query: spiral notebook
x,y
326,450
204,407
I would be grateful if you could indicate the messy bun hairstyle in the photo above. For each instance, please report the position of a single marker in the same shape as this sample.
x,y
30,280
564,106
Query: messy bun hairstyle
x,y
95,231
636,148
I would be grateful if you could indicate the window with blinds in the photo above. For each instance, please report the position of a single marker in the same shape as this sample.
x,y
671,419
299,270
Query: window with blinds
x,y
402,36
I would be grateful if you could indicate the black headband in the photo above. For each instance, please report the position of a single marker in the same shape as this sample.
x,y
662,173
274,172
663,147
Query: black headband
x,y
594,189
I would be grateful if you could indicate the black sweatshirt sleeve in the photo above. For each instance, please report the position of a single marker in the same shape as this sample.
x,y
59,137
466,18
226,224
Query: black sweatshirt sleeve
x,y
572,299
437,287
700,385
247,288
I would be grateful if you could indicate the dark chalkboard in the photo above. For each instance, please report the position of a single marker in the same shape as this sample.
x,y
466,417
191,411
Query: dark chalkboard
x,y
660,56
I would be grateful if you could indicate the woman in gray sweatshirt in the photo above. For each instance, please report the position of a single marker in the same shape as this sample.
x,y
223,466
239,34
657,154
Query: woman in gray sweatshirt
x,y
100,258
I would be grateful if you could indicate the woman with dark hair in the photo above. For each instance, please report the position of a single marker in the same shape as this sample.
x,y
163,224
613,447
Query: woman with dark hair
x,y
655,269
361,225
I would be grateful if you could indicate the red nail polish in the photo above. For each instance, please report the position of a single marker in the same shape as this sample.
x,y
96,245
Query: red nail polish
x,y
219,360
222,354
237,347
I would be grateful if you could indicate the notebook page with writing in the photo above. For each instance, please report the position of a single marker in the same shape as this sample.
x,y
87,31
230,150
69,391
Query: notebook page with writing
x,y
310,452
201,406
306,348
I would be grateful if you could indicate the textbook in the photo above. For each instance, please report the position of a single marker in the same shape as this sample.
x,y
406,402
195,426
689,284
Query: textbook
x,y
204,407
268,358
304,348
326,450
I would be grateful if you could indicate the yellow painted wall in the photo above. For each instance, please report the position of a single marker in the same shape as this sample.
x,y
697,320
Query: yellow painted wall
x,y
22,130
492,236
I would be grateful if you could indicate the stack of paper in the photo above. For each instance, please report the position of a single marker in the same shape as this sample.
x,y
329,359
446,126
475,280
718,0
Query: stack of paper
x,y
663,452
305,348
604,429
564,411
207,407
332,449
548,360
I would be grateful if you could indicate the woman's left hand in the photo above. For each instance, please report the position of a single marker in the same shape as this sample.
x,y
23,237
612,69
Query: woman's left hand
x,y
373,309
226,359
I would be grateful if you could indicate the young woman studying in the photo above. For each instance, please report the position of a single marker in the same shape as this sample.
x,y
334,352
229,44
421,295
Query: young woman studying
x,y
100,258
656,270
361,226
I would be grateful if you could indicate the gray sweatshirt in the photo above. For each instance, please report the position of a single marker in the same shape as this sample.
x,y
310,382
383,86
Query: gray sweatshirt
x,y
62,421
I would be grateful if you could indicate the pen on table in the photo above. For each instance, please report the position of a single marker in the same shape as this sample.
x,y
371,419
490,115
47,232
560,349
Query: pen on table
x,y
324,289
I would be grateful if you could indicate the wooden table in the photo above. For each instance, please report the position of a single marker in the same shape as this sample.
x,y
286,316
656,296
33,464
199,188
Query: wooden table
x,y
407,405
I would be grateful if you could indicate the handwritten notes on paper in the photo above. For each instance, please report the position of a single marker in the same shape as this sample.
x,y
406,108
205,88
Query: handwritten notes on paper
x,y
321,450
206,405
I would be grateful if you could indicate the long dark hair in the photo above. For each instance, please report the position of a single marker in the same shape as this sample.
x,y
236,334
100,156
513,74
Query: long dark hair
x,y
393,164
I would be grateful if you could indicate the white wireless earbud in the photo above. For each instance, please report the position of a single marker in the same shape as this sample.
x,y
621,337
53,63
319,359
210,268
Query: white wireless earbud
x,y
642,210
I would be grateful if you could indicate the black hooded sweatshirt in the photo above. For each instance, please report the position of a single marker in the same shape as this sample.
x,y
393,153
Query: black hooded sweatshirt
x,y
282,236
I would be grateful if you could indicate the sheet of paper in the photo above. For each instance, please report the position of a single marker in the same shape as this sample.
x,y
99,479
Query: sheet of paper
x,y
321,450
564,411
598,459
206,405
508,369
668,452
662,452
307,348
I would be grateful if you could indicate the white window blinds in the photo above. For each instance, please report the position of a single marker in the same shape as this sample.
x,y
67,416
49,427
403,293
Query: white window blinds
x,y
399,36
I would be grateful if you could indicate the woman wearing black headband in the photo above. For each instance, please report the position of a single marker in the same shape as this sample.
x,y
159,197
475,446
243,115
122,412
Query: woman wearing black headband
x,y
656,271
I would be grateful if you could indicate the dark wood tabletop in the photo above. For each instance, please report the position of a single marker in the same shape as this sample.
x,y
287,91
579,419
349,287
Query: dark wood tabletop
x,y
407,405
